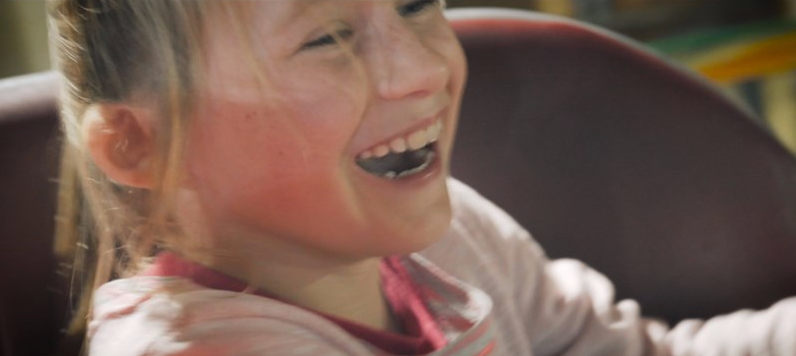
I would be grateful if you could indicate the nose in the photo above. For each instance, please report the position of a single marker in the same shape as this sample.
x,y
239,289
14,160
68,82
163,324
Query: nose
x,y
404,63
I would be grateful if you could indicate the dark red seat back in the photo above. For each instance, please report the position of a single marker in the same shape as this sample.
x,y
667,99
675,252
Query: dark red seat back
x,y
32,299
610,155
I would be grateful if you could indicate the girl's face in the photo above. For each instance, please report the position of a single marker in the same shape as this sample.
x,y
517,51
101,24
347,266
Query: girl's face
x,y
298,105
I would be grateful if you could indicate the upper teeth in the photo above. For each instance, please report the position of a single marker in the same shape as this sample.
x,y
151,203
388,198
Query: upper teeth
x,y
412,141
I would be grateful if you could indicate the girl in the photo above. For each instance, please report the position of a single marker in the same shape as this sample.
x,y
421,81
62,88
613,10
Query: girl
x,y
259,175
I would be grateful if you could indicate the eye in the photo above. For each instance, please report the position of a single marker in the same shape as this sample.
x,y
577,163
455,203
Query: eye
x,y
329,39
417,7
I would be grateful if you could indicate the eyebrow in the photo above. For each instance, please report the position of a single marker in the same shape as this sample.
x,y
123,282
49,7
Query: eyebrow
x,y
298,10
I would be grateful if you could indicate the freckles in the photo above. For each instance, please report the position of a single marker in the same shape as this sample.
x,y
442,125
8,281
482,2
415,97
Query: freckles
x,y
249,117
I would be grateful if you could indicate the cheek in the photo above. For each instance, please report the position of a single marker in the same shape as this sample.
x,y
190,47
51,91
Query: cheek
x,y
451,50
234,148
267,162
324,97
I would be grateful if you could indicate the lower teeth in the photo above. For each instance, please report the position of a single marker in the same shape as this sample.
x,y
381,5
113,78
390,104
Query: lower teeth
x,y
399,165
409,172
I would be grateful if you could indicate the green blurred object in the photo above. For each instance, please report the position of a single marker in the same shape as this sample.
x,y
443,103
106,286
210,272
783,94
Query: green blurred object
x,y
707,39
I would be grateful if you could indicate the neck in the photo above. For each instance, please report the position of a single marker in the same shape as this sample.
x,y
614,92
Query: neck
x,y
319,280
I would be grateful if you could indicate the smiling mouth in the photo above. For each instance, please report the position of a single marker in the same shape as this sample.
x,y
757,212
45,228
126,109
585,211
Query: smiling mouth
x,y
403,156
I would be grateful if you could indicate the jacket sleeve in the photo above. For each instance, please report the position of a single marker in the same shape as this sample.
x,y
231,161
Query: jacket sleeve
x,y
586,320
567,308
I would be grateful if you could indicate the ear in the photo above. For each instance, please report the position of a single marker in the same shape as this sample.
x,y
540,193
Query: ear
x,y
120,140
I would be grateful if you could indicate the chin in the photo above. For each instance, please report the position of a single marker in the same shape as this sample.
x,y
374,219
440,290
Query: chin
x,y
416,237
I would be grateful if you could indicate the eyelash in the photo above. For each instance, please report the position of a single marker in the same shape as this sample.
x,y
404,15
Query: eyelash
x,y
329,39
417,7
413,8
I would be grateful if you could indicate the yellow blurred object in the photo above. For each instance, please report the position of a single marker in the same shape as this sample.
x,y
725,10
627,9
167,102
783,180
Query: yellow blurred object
x,y
779,107
557,7
742,61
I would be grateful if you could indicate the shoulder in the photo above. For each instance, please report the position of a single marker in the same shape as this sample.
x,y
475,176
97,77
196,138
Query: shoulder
x,y
157,316
472,211
484,246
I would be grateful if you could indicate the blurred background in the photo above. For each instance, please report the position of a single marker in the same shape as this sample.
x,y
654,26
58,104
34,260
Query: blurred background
x,y
747,47
23,37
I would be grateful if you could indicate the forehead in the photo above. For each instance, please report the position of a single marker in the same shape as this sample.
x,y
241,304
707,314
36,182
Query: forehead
x,y
275,23
284,12
274,17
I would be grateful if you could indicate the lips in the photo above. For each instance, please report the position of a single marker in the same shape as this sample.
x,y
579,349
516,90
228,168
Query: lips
x,y
402,156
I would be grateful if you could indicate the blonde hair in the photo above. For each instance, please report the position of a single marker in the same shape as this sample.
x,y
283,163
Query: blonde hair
x,y
107,51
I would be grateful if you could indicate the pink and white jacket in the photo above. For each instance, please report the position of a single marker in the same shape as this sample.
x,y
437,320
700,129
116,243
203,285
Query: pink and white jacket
x,y
489,284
